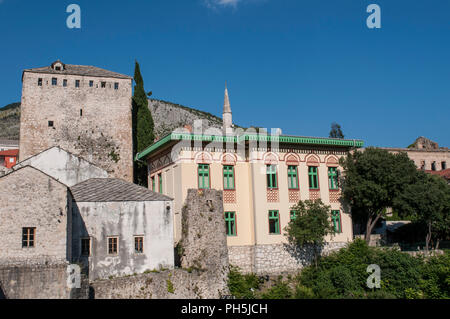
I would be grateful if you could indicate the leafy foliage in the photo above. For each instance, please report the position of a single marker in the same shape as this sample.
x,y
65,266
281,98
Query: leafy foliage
x,y
372,180
336,131
428,202
242,286
143,126
311,225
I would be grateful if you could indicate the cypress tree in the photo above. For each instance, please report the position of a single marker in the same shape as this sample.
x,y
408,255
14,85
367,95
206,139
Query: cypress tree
x,y
143,125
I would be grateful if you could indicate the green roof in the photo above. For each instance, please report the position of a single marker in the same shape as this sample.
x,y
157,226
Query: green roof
x,y
249,137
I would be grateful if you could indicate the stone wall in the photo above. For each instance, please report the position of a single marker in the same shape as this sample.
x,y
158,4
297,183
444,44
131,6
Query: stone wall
x,y
29,198
91,122
275,259
38,281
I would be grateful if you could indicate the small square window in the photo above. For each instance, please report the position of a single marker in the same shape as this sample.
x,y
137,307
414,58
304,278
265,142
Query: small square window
x,y
91,83
64,82
103,85
77,83
50,123
40,82
138,245
116,86
113,245
54,81
28,237
58,68
85,246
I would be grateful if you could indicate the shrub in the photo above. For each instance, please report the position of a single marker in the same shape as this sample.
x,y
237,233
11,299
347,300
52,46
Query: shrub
x,y
280,290
242,286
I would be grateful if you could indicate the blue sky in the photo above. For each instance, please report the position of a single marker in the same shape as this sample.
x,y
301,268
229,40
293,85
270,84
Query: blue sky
x,y
294,64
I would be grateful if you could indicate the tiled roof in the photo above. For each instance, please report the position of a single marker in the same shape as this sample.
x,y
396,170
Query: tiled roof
x,y
445,173
9,153
9,142
113,190
82,70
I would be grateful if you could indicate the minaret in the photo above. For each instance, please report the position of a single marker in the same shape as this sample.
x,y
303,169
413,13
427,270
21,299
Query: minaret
x,y
227,117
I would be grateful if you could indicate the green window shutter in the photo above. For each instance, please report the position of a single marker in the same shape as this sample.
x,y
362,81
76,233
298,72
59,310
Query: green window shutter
x,y
332,178
292,177
203,176
230,223
153,184
271,176
293,215
313,178
160,183
336,219
228,177
274,222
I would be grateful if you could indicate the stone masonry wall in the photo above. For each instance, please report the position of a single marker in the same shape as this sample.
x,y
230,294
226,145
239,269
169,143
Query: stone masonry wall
x,y
38,281
275,259
91,122
29,198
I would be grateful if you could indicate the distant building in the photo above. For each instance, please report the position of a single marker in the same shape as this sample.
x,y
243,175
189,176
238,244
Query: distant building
x,y
85,110
9,158
68,211
262,177
426,154
8,145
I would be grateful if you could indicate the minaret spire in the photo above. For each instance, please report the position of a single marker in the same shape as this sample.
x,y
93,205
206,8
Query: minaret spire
x,y
227,116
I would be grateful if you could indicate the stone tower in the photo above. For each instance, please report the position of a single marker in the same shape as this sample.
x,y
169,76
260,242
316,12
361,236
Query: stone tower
x,y
82,109
227,116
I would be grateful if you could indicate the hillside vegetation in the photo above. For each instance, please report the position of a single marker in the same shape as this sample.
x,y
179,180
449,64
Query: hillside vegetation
x,y
167,117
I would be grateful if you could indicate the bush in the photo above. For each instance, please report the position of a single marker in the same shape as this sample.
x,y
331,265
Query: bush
x,y
242,286
280,290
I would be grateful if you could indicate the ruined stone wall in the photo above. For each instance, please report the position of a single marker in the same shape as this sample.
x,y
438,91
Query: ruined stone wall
x,y
29,198
92,122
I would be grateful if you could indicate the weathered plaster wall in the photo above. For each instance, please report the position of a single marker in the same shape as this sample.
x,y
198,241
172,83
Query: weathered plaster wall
x,y
124,220
29,198
92,122
63,166
204,259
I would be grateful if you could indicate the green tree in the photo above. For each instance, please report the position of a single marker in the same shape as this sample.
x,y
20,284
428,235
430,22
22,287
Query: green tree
x,y
372,180
428,202
311,225
336,131
143,126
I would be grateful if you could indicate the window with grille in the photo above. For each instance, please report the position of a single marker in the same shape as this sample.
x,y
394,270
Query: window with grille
x,y
332,178
28,237
230,223
274,222
292,177
272,176
313,177
138,245
336,220
228,177
203,176
113,245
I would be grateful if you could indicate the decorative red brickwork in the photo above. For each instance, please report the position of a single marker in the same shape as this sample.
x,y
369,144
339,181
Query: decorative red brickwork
x,y
335,196
294,195
229,196
273,195
314,194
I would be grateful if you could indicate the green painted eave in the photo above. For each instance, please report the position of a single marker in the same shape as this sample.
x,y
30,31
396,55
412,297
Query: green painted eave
x,y
249,137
